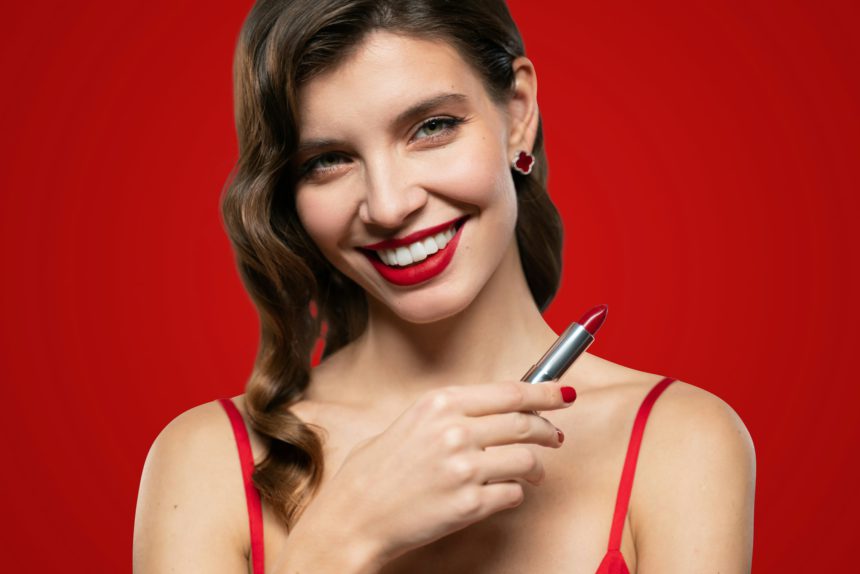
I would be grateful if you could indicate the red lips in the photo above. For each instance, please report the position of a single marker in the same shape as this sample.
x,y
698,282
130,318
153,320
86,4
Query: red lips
x,y
413,237
419,272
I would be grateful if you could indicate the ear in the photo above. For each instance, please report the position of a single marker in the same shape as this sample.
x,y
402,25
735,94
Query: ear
x,y
522,108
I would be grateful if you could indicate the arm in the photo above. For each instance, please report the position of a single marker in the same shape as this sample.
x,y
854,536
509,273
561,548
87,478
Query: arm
x,y
692,504
191,514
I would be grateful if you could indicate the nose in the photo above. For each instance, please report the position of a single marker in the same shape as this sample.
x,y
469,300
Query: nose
x,y
391,196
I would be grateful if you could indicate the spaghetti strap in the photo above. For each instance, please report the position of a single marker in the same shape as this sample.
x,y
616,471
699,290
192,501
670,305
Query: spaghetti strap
x,y
626,484
252,496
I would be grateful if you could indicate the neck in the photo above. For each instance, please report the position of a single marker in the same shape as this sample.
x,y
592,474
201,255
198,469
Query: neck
x,y
498,336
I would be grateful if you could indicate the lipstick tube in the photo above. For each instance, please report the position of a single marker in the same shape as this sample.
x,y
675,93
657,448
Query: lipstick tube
x,y
566,349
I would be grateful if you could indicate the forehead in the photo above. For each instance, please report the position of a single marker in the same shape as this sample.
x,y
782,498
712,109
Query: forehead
x,y
385,74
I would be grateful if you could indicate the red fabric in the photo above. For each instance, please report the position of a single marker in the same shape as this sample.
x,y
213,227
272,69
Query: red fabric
x,y
613,562
252,496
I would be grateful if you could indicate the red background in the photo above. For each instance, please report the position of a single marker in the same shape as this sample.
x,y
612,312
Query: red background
x,y
718,142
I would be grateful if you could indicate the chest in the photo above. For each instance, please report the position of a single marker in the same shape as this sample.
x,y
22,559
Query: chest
x,y
562,526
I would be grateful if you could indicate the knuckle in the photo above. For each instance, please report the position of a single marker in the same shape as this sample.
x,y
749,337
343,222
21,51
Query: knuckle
x,y
516,393
468,502
442,400
462,470
439,400
528,459
522,425
455,437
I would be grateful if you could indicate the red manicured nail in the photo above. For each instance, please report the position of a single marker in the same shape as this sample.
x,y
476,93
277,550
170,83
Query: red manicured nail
x,y
560,435
568,394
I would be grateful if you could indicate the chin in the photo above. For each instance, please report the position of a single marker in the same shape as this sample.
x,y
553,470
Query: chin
x,y
426,308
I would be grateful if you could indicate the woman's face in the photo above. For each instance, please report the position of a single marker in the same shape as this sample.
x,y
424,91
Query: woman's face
x,y
399,138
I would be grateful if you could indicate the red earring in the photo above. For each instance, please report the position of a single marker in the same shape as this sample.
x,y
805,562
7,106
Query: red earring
x,y
524,162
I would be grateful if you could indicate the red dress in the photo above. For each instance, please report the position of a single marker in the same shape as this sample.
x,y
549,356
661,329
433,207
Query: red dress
x,y
613,561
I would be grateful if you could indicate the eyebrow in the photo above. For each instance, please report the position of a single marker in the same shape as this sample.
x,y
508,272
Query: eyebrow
x,y
429,104
419,109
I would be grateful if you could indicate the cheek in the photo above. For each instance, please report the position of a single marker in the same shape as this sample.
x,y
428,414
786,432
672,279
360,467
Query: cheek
x,y
474,174
321,217
478,175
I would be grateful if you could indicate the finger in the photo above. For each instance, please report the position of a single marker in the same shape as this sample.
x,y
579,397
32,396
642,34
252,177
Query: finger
x,y
509,463
508,428
479,502
503,494
511,396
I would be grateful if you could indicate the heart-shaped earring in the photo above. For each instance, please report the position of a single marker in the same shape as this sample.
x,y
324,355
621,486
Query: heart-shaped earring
x,y
524,162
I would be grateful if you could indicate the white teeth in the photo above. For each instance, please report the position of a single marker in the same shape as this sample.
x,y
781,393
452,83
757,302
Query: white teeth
x,y
417,252
404,257
430,246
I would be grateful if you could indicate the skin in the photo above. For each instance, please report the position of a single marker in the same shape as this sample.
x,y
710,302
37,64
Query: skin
x,y
476,324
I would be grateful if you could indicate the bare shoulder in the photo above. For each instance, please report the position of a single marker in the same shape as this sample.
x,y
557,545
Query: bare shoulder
x,y
683,413
687,420
191,513
693,496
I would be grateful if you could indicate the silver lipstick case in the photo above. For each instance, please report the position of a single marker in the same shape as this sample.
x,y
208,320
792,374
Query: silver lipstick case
x,y
566,349
570,345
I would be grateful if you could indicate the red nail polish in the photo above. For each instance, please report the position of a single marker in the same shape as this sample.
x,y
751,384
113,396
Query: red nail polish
x,y
568,394
560,435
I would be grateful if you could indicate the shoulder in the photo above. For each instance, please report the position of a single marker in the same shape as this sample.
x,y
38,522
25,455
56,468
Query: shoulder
x,y
191,497
201,437
694,484
687,419
684,415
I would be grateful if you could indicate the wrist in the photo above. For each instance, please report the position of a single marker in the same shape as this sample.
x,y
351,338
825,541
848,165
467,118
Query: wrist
x,y
362,556
314,548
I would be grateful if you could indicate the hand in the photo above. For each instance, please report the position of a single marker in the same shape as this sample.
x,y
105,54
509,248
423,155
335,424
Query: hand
x,y
428,474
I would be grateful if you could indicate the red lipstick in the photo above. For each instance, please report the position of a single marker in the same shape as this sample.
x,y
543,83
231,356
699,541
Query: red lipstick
x,y
413,237
593,319
422,271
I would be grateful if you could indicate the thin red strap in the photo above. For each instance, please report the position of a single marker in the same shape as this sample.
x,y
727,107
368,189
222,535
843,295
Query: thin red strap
x,y
252,496
626,484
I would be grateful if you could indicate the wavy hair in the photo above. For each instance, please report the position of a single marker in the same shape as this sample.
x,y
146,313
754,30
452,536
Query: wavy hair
x,y
298,294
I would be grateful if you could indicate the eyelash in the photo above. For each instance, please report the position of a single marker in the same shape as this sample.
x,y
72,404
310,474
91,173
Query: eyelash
x,y
450,124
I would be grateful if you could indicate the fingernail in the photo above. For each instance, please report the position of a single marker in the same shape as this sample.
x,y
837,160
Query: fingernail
x,y
560,435
568,394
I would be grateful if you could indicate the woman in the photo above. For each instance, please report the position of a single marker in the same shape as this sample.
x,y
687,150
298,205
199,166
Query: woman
x,y
410,447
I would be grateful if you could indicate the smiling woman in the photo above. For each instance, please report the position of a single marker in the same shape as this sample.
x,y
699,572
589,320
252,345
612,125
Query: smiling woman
x,y
391,187
392,175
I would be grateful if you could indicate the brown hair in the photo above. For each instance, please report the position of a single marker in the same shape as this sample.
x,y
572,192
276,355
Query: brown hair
x,y
297,292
